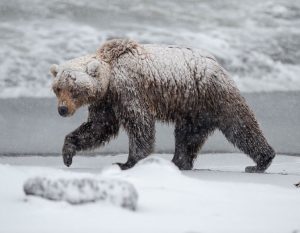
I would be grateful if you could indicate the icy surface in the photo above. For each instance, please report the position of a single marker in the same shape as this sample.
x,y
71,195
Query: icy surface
x,y
84,190
257,41
222,199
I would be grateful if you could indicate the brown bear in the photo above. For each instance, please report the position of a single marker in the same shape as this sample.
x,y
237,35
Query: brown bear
x,y
132,85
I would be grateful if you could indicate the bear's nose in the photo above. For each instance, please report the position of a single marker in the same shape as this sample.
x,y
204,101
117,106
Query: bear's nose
x,y
63,110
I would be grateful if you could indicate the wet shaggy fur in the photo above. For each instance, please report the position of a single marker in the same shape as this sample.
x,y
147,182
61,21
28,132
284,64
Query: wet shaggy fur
x,y
141,84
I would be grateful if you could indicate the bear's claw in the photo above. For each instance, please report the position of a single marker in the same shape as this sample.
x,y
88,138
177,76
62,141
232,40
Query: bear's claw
x,y
254,169
124,166
68,152
261,166
68,160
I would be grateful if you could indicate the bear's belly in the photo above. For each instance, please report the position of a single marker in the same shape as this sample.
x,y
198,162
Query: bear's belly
x,y
169,105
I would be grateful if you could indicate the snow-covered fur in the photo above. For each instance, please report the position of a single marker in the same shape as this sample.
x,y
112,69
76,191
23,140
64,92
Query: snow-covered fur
x,y
80,81
113,49
159,82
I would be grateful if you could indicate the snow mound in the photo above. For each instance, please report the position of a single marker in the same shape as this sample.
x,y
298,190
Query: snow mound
x,y
155,160
156,163
84,190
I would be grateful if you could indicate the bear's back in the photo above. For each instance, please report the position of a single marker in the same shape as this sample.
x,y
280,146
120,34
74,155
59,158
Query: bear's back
x,y
169,64
177,64
169,78
177,52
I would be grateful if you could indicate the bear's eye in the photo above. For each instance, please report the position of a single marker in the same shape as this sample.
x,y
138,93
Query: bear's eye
x,y
56,90
75,94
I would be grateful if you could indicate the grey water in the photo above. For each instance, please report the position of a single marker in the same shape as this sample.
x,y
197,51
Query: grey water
x,y
257,41
32,126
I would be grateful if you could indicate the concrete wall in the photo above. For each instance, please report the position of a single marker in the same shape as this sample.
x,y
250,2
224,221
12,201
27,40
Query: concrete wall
x,y
31,125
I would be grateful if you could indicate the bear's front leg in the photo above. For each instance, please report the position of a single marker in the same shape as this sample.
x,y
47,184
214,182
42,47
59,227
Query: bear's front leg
x,y
68,151
139,148
101,126
141,134
88,136
82,137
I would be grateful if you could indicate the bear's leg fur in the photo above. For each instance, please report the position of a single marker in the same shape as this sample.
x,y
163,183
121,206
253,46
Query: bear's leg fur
x,y
190,135
242,130
101,126
141,133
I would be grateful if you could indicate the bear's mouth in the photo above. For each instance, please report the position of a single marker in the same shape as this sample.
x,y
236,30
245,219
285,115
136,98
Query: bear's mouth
x,y
66,105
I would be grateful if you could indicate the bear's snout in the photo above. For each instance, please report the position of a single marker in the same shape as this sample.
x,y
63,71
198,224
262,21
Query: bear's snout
x,y
63,111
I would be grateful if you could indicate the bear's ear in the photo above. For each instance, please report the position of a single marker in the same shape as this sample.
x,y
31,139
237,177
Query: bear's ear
x,y
92,68
54,70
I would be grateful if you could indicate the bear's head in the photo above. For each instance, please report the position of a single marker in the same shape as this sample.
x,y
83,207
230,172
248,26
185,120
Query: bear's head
x,y
79,82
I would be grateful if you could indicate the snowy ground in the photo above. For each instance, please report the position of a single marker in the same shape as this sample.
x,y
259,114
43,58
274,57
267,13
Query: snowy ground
x,y
215,197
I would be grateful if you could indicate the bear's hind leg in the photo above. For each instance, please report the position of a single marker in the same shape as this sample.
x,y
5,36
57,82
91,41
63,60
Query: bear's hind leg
x,y
190,135
242,130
